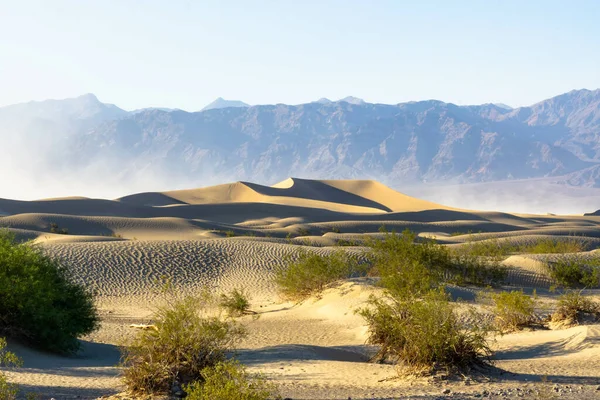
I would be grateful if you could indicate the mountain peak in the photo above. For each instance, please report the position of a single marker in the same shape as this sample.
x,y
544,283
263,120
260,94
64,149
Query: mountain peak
x,y
222,103
352,100
504,106
323,100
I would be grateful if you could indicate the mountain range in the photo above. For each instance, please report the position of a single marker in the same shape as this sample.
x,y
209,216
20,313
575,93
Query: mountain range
x,y
407,143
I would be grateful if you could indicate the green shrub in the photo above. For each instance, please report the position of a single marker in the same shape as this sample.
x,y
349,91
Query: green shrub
x,y
303,232
513,310
468,268
347,243
398,252
500,248
229,380
571,272
550,245
236,303
55,229
184,341
424,334
309,272
230,233
494,248
39,303
8,391
573,307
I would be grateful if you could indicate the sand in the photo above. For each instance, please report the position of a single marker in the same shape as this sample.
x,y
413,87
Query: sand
x,y
236,235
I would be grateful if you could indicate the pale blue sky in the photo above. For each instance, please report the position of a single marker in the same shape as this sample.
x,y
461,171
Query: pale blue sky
x,y
184,54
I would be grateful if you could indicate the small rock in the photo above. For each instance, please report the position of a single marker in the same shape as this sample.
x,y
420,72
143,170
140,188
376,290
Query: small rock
x,y
447,391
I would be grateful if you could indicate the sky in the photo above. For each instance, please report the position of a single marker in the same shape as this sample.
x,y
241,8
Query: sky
x,y
184,54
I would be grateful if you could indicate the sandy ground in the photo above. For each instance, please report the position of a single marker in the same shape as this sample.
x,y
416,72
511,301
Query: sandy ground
x,y
315,350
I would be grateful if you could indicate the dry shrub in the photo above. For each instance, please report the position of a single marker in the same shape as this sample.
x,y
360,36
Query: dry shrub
x,y
513,310
236,303
574,308
186,340
424,334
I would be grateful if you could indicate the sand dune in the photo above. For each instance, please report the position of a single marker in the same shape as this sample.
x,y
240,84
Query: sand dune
x,y
237,234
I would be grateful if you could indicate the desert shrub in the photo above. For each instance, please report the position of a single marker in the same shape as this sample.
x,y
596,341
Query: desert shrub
x,y
424,334
397,252
303,232
513,310
500,248
495,248
573,272
230,233
347,243
55,229
230,380
468,268
310,272
236,302
335,229
8,391
573,307
184,341
39,303
552,245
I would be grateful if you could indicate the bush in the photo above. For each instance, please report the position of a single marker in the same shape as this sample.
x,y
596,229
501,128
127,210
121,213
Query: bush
x,y
236,303
303,232
309,273
549,245
495,248
230,233
55,229
229,380
573,307
571,272
513,310
38,301
424,334
392,256
8,391
500,248
184,342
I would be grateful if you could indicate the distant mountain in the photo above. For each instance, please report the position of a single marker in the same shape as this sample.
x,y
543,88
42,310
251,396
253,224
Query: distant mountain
x,y
139,110
409,143
353,100
222,103
40,132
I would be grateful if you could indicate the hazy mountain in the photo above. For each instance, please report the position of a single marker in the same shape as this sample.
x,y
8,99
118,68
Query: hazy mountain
x,y
353,100
36,135
408,143
222,103
139,110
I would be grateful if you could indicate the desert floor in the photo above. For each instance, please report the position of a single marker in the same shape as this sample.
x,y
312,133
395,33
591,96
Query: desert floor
x,y
235,235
